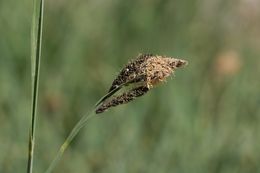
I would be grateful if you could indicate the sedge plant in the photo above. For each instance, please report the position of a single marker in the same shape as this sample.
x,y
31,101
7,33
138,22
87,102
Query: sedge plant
x,y
138,77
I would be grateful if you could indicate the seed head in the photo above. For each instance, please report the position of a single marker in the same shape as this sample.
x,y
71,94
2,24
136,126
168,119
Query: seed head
x,y
143,73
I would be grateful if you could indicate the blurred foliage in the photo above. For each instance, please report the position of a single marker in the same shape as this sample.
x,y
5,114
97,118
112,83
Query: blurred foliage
x,y
205,120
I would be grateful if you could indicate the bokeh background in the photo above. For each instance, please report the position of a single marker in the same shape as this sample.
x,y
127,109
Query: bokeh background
x,y
207,119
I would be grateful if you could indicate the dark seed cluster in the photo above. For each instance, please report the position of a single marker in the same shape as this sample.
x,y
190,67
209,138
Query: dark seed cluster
x,y
130,71
122,99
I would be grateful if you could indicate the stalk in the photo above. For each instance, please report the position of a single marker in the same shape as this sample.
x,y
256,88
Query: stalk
x,y
80,124
36,42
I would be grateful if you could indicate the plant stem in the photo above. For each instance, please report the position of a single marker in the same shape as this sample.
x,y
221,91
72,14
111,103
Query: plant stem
x,y
35,58
81,123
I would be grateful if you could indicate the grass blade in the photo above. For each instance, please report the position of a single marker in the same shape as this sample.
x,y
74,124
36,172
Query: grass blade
x,y
36,34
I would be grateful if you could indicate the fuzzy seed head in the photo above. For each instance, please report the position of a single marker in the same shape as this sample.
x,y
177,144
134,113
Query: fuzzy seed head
x,y
158,68
144,72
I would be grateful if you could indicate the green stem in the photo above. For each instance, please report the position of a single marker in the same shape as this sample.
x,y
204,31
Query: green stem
x,y
82,122
36,56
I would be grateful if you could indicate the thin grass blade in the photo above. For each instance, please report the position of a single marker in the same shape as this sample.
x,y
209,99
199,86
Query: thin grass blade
x,y
36,41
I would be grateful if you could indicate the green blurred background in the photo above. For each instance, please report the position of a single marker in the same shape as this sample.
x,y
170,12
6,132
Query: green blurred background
x,y
207,119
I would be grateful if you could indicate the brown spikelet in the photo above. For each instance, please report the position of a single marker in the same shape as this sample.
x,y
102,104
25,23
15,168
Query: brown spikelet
x,y
144,72
129,72
122,99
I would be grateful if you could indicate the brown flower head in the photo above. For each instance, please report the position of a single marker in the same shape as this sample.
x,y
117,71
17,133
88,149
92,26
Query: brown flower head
x,y
143,73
